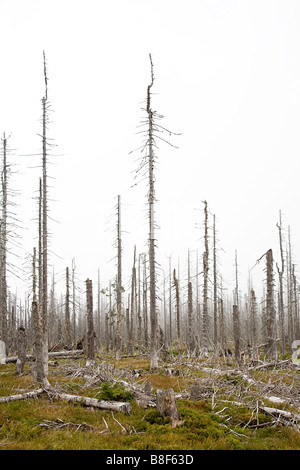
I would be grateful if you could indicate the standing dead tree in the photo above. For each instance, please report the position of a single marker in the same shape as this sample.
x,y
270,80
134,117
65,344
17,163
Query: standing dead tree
x,y
153,129
90,323
177,305
119,286
271,314
67,312
281,302
3,248
205,317
253,323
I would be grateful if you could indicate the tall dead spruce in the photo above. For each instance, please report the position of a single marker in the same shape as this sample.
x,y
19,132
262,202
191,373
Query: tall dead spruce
x,y
3,247
148,161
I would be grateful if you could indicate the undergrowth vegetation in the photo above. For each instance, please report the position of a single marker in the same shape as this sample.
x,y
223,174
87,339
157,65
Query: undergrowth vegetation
x,y
213,421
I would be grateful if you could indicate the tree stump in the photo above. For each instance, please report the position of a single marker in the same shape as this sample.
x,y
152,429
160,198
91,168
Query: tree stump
x,y
167,406
195,391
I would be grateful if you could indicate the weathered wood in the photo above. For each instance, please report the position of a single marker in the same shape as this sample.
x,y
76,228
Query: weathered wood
x,y
125,407
22,396
167,406
74,354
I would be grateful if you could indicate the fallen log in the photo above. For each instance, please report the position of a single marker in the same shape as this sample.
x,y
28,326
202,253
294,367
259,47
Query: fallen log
x,y
279,413
22,396
125,407
74,354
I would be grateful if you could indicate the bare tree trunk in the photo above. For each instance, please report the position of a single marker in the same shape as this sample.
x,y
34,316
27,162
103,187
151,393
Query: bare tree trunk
x,y
133,305
254,325
45,228
67,312
290,292
215,289
170,301
236,333
38,368
280,303
178,329
139,309
90,323
145,302
3,251
296,311
205,334
151,200
190,332
74,301
271,316
119,287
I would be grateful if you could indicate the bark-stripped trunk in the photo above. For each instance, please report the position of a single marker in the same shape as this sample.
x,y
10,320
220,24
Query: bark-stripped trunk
x,y
215,288
90,322
281,303
38,369
45,227
133,305
271,315
151,200
205,325
236,333
67,312
3,252
177,303
119,287
254,325
145,302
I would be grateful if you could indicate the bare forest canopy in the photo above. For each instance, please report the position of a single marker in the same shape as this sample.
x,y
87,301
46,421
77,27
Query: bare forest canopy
x,y
186,308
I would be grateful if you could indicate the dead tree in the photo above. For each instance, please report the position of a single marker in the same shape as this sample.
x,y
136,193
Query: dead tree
x,y
215,288
151,240
236,333
37,320
3,249
177,306
205,317
271,314
44,222
295,300
167,406
67,312
132,306
119,286
153,131
254,325
90,322
145,302
281,302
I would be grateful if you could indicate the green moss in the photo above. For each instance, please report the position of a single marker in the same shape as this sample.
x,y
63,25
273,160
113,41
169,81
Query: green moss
x,y
114,392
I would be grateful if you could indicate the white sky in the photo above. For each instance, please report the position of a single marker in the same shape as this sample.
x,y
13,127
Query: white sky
x,y
227,76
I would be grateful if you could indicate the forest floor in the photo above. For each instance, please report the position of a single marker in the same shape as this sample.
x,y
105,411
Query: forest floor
x,y
222,406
